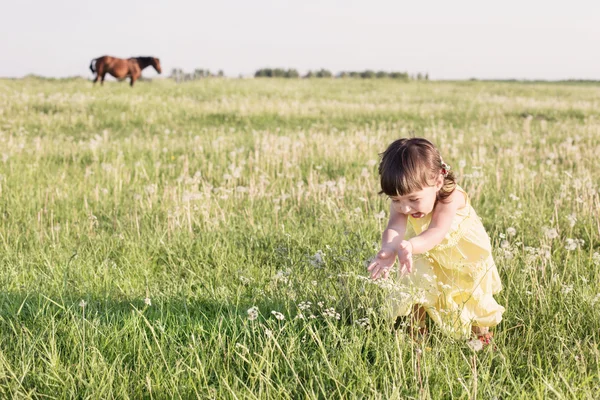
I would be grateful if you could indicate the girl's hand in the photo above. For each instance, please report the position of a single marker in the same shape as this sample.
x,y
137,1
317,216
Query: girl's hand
x,y
381,264
405,256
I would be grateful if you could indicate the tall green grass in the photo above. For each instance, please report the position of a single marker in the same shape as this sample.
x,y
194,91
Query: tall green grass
x,y
140,227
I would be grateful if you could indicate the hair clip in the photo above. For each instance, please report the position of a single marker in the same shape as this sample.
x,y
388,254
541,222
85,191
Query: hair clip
x,y
445,169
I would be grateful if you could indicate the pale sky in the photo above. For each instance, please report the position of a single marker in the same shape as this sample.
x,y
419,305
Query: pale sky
x,y
448,39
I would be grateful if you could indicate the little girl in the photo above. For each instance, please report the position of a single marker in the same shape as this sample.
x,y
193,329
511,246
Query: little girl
x,y
444,253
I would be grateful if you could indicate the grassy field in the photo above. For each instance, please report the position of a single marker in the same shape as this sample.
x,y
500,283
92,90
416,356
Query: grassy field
x,y
209,239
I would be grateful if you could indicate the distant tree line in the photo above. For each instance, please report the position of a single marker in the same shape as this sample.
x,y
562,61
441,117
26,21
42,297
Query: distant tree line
x,y
324,73
180,76
276,73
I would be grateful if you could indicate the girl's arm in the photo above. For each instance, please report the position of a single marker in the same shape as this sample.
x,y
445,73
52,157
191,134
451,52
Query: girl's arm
x,y
441,220
390,243
395,230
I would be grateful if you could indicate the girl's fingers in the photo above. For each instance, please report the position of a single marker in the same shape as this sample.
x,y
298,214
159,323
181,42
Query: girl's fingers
x,y
372,265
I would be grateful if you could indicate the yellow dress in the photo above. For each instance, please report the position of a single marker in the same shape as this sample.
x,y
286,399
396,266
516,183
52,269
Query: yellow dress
x,y
456,280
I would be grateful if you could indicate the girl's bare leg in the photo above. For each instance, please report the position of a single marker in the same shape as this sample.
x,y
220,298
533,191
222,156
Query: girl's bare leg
x,y
417,322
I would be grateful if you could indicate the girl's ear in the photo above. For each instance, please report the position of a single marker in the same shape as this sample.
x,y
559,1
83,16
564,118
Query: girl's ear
x,y
439,183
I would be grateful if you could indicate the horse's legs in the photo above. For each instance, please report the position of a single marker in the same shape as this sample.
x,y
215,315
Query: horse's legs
x,y
134,77
102,79
96,80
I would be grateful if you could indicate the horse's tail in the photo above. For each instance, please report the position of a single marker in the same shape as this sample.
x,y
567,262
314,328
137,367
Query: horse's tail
x,y
92,66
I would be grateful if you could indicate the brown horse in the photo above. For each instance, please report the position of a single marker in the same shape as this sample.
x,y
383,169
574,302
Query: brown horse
x,y
122,68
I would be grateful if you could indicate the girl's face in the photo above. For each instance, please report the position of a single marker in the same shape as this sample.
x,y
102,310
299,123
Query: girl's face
x,y
420,203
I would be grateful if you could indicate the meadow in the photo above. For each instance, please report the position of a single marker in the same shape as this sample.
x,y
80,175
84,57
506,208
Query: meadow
x,y
208,239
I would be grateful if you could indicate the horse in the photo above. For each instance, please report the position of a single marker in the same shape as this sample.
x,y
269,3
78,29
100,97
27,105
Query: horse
x,y
122,68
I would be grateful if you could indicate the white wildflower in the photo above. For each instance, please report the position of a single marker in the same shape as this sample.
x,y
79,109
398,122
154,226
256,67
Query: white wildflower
x,y
511,231
252,313
566,289
550,233
380,215
82,303
278,315
572,220
147,301
574,244
150,189
475,344
596,259
331,313
317,260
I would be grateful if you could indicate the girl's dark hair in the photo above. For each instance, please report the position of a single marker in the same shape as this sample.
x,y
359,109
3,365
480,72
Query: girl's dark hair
x,y
409,165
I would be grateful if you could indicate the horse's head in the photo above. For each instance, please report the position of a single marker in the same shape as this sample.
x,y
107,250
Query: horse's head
x,y
156,64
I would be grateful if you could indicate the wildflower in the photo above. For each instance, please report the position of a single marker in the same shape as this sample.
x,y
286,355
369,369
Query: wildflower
x,y
150,189
278,315
511,231
573,244
475,344
305,305
147,301
513,197
596,259
363,322
566,289
572,220
82,303
331,313
281,276
191,196
550,233
380,215
252,313
317,260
